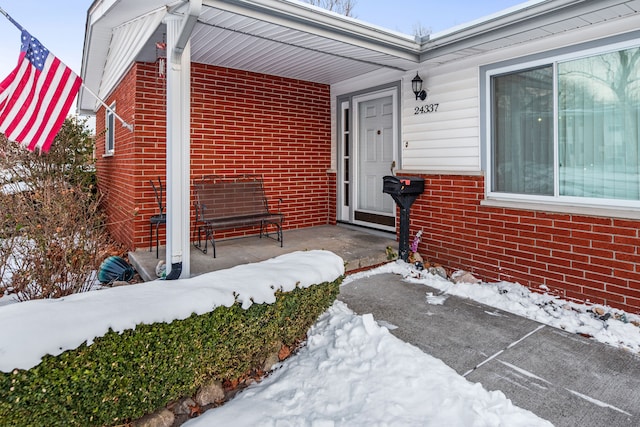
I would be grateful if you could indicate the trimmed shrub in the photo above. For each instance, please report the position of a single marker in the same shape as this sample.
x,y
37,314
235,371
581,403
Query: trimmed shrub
x,y
121,377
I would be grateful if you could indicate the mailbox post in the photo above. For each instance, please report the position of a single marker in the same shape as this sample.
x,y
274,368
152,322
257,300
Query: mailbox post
x,y
404,190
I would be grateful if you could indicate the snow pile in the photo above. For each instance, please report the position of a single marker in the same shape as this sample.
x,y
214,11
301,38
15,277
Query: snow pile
x,y
14,187
615,328
33,329
353,372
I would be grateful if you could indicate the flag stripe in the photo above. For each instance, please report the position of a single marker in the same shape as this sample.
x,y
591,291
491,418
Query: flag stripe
x,y
36,97
57,124
24,105
56,102
6,83
37,109
15,92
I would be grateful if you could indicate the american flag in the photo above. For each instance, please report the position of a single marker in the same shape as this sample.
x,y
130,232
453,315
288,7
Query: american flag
x,y
36,97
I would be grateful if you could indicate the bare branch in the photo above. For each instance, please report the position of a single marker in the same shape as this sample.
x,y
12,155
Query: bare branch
x,y
343,7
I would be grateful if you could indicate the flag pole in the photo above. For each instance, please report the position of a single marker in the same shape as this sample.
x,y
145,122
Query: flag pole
x,y
124,123
11,19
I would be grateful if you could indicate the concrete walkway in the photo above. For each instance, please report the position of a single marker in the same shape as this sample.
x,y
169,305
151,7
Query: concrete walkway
x,y
564,378
359,248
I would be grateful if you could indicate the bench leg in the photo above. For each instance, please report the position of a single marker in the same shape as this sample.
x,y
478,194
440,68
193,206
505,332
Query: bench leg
x,y
208,237
264,231
197,241
280,238
157,241
281,235
197,232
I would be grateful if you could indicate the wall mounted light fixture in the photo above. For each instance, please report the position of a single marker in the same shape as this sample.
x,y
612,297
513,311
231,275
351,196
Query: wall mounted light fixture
x,y
416,86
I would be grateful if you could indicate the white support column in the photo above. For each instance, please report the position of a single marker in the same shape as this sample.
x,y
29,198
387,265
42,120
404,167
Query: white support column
x,y
178,152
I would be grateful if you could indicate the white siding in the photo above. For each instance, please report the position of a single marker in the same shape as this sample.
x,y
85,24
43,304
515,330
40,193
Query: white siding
x,y
449,139
446,139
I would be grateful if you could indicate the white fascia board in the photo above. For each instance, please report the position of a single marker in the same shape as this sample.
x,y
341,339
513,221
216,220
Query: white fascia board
x,y
485,19
507,18
91,63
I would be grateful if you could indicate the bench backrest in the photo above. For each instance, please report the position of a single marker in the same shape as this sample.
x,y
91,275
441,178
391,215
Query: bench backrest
x,y
230,197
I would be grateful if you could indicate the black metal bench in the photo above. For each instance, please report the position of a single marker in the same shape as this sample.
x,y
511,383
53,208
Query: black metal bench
x,y
225,202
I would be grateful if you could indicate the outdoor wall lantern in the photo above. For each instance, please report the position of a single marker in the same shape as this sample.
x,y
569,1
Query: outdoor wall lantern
x,y
416,86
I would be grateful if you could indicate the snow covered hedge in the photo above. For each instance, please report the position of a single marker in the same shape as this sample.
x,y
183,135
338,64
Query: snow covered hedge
x,y
130,371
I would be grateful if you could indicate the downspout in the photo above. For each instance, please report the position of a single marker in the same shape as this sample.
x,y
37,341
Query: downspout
x,y
176,132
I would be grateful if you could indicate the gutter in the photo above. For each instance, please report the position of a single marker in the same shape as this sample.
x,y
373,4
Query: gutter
x,y
519,14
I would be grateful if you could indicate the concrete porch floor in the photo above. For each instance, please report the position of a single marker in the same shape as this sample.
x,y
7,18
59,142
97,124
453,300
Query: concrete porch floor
x,y
358,247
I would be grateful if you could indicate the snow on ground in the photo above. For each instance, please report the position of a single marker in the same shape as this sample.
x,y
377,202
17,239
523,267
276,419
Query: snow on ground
x,y
14,187
353,372
613,327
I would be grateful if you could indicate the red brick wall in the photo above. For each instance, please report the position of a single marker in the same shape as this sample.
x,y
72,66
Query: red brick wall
x,y
241,123
117,174
151,136
579,257
281,128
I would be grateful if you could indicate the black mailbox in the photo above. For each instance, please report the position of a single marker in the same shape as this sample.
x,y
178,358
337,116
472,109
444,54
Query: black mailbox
x,y
403,185
404,190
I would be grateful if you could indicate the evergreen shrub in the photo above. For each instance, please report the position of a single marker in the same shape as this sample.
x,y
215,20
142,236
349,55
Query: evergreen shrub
x,y
121,377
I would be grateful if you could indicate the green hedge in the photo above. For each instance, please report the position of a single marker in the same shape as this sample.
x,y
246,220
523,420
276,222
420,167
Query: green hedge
x,y
121,377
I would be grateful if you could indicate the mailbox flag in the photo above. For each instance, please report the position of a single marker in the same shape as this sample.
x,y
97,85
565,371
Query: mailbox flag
x,y
36,97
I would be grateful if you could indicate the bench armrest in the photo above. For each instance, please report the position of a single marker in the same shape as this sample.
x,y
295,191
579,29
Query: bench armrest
x,y
279,208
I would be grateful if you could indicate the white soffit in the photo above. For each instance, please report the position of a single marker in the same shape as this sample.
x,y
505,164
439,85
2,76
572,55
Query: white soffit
x,y
231,40
126,42
103,17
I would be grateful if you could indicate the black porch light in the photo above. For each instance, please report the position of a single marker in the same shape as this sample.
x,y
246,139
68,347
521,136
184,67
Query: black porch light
x,y
416,86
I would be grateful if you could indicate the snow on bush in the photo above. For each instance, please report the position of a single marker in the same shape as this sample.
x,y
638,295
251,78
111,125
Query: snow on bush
x,y
33,329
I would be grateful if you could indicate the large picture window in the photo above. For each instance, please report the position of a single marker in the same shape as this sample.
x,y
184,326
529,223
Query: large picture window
x,y
568,129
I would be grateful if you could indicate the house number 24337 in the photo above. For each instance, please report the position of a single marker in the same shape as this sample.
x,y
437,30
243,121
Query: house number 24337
x,y
428,108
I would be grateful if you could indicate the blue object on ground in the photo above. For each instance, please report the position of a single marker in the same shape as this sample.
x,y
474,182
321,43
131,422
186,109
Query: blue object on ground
x,y
114,269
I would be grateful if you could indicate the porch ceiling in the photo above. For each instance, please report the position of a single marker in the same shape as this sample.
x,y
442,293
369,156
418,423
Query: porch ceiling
x,y
247,43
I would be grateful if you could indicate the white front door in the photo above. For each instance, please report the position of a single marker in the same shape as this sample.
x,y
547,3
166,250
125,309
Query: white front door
x,y
375,155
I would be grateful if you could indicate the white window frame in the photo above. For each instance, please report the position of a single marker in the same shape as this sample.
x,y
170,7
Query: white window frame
x,y
513,66
110,130
344,138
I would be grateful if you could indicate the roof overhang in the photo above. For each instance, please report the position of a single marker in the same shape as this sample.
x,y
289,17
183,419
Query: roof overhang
x,y
292,39
278,37
529,21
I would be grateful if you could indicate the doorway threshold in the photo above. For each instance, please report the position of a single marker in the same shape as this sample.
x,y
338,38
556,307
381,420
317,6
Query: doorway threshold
x,y
370,230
